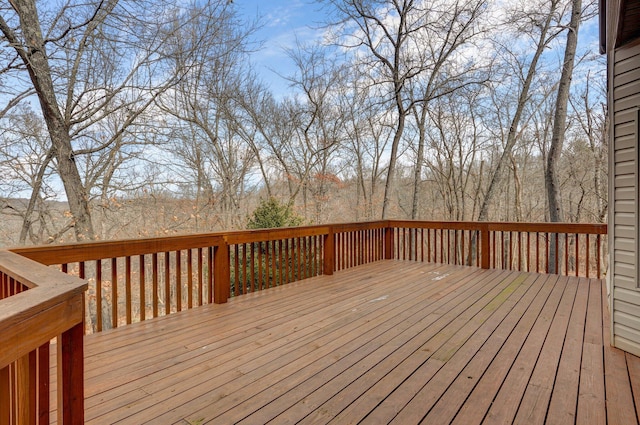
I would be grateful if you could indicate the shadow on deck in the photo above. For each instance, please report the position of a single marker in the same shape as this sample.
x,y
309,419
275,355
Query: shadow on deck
x,y
390,342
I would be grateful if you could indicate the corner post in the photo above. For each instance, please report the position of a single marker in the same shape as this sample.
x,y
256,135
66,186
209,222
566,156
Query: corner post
x,y
329,258
71,375
221,273
485,250
388,242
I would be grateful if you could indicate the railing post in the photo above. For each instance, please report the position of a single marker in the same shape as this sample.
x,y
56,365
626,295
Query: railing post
x,y
221,274
5,396
329,258
25,403
485,251
388,242
71,376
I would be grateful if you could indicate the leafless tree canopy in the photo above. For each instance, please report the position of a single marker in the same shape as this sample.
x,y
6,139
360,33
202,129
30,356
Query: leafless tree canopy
x,y
137,117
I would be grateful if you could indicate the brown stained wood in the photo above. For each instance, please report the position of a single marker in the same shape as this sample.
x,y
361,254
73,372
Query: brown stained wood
x,y
329,247
274,263
537,270
267,264
566,255
71,376
114,292
99,295
577,265
633,365
344,377
143,283
281,265
344,351
562,408
167,283
587,264
119,347
534,402
128,291
5,396
507,378
23,406
200,277
31,331
189,278
210,273
619,397
253,267
178,280
236,270
265,359
260,262
312,349
598,259
244,268
494,363
154,284
451,346
221,283
43,384
591,396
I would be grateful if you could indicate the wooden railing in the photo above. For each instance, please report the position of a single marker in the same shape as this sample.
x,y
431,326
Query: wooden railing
x,y
135,280
562,248
39,304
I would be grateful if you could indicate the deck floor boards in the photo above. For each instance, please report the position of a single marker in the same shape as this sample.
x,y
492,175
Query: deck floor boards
x,y
389,342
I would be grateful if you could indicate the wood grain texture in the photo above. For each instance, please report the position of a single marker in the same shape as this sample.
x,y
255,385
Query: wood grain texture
x,y
393,340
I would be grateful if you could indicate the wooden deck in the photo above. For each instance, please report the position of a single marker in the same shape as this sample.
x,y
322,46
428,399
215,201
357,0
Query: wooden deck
x,y
391,342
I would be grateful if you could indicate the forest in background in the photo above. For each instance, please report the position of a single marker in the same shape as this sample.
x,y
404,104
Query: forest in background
x,y
140,118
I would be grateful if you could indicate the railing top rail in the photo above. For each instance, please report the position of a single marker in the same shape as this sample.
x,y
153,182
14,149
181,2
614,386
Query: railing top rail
x,y
87,251
592,228
60,254
52,304
361,225
262,235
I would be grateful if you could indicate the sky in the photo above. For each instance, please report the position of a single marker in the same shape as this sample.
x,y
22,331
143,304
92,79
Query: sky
x,y
282,22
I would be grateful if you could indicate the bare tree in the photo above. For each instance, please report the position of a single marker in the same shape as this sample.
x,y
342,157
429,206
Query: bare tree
x,y
537,21
369,128
86,61
560,116
589,113
320,122
28,167
204,135
389,40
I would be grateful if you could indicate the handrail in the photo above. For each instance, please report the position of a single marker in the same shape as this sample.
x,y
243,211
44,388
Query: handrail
x,y
506,226
47,305
540,247
158,276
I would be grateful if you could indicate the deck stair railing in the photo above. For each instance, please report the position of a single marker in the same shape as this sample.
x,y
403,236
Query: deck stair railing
x,y
135,280
37,305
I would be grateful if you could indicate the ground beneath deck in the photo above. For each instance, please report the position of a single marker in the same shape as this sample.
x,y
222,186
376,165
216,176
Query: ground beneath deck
x,y
390,342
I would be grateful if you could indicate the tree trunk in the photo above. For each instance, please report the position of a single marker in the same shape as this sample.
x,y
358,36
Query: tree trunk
x,y
559,125
515,122
33,54
390,183
417,178
560,117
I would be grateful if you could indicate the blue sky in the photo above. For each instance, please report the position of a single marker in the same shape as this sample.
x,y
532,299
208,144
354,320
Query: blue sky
x,y
283,21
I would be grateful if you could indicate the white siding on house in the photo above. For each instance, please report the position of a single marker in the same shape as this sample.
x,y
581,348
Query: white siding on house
x,y
624,226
